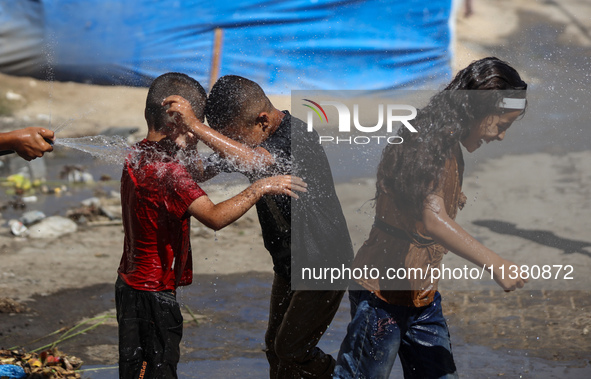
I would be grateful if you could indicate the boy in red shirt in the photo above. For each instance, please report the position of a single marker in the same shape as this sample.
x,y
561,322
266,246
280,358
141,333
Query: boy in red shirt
x,y
158,197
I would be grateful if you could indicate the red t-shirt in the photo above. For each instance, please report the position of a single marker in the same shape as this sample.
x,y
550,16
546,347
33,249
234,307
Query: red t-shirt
x,y
156,191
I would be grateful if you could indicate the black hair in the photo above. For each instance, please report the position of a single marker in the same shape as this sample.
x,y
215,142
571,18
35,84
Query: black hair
x,y
173,83
412,170
235,101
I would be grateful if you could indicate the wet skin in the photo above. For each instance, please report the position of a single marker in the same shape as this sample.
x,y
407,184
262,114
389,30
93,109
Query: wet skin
x,y
492,128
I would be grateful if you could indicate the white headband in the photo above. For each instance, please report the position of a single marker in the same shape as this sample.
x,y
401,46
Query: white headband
x,y
512,103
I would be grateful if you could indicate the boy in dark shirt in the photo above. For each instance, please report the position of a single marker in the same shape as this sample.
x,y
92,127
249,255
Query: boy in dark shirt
x,y
260,141
158,197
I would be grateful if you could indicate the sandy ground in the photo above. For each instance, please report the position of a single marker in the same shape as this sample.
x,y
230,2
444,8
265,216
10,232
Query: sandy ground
x,y
533,209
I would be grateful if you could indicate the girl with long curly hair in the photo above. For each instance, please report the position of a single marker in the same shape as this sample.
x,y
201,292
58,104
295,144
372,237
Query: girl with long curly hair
x,y
418,194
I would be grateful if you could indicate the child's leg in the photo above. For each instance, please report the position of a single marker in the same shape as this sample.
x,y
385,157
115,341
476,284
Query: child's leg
x,y
373,337
281,295
131,355
425,351
150,332
305,321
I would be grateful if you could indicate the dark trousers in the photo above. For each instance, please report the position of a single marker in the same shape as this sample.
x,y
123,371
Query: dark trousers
x,y
150,332
297,321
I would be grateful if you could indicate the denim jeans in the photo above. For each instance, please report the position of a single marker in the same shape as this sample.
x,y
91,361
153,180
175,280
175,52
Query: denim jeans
x,y
379,331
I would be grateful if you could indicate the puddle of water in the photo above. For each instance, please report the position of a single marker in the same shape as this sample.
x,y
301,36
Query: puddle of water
x,y
476,362
51,204
246,368
230,342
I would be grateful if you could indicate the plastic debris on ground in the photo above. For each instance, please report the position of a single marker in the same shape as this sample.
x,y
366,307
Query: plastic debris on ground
x,y
48,364
96,212
76,174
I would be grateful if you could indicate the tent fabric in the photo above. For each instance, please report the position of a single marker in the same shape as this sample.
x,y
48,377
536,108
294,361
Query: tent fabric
x,y
21,37
281,44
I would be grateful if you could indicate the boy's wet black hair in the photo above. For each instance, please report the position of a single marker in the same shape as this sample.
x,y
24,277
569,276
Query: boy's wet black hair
x,y
173,83
235,101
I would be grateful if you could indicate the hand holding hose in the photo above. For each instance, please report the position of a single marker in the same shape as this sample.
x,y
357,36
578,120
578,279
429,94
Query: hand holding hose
x,y
29,143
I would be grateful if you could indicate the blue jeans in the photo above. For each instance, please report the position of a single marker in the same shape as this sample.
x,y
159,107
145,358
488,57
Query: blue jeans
x,y
378,331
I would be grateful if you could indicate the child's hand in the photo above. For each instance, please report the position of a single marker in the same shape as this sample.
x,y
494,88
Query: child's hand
x,y
30,143
508,280
281,185
180,109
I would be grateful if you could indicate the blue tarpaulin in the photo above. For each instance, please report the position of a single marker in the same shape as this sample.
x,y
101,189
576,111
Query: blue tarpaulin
x,y
281,44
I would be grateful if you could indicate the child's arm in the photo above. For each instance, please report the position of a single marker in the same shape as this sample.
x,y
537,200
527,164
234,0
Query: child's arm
x,y
445,231
204,174
217,216
29,143
244,157
200,171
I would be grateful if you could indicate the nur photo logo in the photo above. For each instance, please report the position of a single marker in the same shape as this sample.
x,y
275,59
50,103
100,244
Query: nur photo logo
x,y
318,107
390,115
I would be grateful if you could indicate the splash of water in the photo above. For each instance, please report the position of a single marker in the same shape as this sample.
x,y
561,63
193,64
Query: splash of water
x,y
112,149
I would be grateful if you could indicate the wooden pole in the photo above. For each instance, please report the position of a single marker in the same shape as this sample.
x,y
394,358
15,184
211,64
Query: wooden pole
x,y
216,58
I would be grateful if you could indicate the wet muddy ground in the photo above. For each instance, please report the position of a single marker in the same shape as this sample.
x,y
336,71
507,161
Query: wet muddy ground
x,y
529,334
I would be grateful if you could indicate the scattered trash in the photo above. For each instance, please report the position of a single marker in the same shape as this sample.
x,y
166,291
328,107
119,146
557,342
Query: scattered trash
x,y
52,227
17,228
31,217
13,96
32,170
76,174
113,212
12,372
80,177
30,199
45,189
49,364
15,203
10,306
20,182
96,212
91,202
